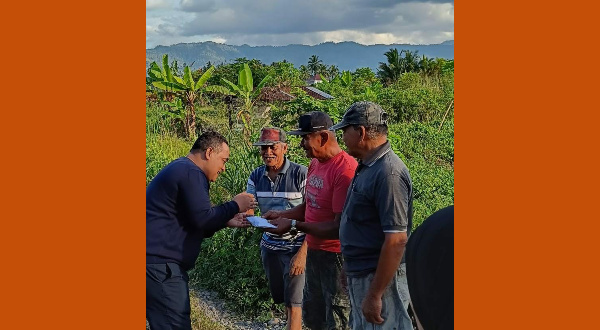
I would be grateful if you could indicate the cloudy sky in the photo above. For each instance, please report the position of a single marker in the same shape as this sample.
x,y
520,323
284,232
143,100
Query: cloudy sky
x,y
309,22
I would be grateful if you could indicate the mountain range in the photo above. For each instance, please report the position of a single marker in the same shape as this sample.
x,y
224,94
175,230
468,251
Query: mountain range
x,y
345,55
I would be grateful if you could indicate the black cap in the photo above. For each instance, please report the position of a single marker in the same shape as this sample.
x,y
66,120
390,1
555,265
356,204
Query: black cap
x,y
362,113
313,121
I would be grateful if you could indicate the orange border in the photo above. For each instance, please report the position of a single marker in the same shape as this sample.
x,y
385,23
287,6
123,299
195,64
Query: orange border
x,y
526,228
73,131
73,136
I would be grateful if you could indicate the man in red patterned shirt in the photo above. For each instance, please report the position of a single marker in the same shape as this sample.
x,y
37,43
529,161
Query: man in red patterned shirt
x,y
326,304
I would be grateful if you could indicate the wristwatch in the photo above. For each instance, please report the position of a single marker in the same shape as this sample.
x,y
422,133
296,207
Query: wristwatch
x,y
293,230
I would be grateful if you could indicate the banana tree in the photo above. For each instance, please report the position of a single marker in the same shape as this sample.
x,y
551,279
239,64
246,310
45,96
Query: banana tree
x,y
246,91
185,88
346,78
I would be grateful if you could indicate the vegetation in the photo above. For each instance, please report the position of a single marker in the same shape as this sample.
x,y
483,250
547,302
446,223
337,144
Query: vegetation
x,y
246,91
416,100
185,89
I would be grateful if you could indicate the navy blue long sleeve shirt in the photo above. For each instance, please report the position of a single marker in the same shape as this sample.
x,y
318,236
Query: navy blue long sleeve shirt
x,y
179,214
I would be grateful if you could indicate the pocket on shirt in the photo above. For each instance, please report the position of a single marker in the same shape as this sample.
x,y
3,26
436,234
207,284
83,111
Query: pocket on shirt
x,y
361,203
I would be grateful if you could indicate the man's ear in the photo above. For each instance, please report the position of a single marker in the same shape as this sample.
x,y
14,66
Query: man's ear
x,y
284,147
208,153
362,132
324,137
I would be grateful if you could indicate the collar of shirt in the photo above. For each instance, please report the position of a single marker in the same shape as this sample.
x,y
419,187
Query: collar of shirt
x,y
379,152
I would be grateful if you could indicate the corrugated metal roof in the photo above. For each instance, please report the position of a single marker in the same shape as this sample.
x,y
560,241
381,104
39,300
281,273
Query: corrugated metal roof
x,y
324,95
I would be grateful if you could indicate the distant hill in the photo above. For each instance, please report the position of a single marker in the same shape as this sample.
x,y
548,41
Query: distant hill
x,y
346,55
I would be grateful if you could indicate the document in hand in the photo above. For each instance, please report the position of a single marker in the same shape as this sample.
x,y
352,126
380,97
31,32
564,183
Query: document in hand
x,y
260,222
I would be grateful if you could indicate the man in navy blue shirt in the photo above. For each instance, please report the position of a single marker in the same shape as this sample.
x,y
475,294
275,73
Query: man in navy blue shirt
x,y
178,216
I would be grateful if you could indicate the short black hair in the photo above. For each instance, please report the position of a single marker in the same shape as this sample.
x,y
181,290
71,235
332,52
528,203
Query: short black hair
x,y
374,131
209,139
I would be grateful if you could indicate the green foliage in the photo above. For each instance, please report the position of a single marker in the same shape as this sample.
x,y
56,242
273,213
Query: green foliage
x,y
284,75
185,89
246,91
288,117
161,150
391,70
346,79
429,156
315,65
230,71
412,99
448,66
398,65
245,86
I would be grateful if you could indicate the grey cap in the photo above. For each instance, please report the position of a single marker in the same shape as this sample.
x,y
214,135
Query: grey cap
x,y
362,113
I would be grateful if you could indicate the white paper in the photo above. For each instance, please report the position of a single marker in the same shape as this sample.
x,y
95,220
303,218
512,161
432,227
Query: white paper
x,y
260,222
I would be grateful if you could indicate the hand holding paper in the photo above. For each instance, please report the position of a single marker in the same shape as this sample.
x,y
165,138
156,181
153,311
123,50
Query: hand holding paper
x,y
260,222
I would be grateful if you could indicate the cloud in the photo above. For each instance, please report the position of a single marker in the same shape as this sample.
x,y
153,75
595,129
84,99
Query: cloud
x,y
157,4
197,6
272,22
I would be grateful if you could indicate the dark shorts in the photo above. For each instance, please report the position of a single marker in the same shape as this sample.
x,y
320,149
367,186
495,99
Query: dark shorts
x,y
167,297
326,302
284,287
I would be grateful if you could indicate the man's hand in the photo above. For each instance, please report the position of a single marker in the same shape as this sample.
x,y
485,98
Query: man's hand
x,y
298,263
238,221
272,215
371,308
283,226
245,201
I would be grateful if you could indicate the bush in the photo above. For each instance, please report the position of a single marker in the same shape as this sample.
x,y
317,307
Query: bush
x,y
429,156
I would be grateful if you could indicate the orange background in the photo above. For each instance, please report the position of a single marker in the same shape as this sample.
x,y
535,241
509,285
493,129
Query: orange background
x,y
526,177
73,137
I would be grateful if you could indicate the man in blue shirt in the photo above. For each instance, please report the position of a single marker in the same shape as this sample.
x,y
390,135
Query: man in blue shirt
x,y
279,185
376,221
178,216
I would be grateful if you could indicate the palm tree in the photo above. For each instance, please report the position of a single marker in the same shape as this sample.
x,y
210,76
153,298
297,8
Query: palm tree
x,y
332,71
410,61
390,71
427,66
304,72
315,65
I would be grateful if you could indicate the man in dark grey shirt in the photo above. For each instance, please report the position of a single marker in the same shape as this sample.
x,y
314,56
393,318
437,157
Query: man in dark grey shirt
x,y
375,221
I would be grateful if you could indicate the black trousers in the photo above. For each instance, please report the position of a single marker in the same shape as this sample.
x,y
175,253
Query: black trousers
x,y
167,297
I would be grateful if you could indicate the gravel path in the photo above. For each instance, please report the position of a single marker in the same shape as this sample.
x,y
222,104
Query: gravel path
x,y
215,309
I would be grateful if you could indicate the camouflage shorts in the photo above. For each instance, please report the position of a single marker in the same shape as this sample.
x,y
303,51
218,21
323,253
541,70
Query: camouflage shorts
x,y
326,303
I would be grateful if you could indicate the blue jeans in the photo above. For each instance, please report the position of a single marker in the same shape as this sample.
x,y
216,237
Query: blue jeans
x,y
403,285
393,311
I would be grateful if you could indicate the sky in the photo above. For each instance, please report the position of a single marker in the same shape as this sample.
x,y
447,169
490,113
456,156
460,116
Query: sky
x,y
307,22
